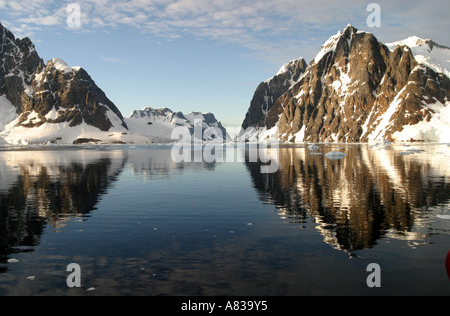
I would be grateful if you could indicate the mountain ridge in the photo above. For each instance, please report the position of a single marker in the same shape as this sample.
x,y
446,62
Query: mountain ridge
x,y
158,123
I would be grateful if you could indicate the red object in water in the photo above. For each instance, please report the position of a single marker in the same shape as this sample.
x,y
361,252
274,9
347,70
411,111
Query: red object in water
x,y
447,264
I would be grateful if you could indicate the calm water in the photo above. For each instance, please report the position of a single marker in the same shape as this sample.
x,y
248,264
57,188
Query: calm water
x,y
139,224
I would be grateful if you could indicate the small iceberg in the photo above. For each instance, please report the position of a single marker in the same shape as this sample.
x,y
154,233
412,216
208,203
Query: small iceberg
x,y
441,210
335,155
380,142
313,147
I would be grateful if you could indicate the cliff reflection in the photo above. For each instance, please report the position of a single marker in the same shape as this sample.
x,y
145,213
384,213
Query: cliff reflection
x,y
357,200
49,187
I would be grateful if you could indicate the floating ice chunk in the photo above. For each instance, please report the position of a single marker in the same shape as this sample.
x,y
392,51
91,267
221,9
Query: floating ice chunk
x,y
13,260
91,289
313,147
380,142
335,155
31,277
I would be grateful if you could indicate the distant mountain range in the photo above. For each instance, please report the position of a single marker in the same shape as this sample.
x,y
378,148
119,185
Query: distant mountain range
x,y
158,124
54,103
357,89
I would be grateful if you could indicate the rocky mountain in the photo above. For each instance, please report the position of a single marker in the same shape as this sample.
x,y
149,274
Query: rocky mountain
x,y
44,100
268,92
18,63
358,89
158,124
54,103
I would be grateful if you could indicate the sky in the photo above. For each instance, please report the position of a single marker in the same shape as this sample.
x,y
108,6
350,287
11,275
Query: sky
x,y
204,55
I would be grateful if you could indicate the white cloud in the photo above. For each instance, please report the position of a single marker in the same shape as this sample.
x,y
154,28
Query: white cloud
x,y
114,60
41,20
263,26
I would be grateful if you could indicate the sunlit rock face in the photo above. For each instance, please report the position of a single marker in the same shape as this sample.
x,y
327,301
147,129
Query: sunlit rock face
x,y
358,89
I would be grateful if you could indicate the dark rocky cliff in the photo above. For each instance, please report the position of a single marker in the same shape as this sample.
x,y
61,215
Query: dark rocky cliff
x,y
35,87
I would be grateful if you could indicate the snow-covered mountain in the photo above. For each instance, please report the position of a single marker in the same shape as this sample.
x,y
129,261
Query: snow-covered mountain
x,y
158,124
427,52
357,89
54,103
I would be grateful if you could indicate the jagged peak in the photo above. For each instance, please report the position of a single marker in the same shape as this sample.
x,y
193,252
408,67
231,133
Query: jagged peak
x,y
289,66
331,43
149,109
164,111
285,68
350,29
5,30
61,65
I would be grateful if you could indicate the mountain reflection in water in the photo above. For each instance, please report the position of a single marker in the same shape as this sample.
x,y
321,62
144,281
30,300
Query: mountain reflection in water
x,y
50,187
139,223
40,187
356,200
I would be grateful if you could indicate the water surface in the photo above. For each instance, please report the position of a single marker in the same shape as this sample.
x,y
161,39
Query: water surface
x,y
139,224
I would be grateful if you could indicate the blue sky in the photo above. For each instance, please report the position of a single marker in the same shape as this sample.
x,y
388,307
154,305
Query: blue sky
x,y
203,55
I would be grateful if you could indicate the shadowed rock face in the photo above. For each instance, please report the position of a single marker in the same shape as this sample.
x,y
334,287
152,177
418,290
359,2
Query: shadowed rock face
x,y
19,61
32,86
270,90
356,90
